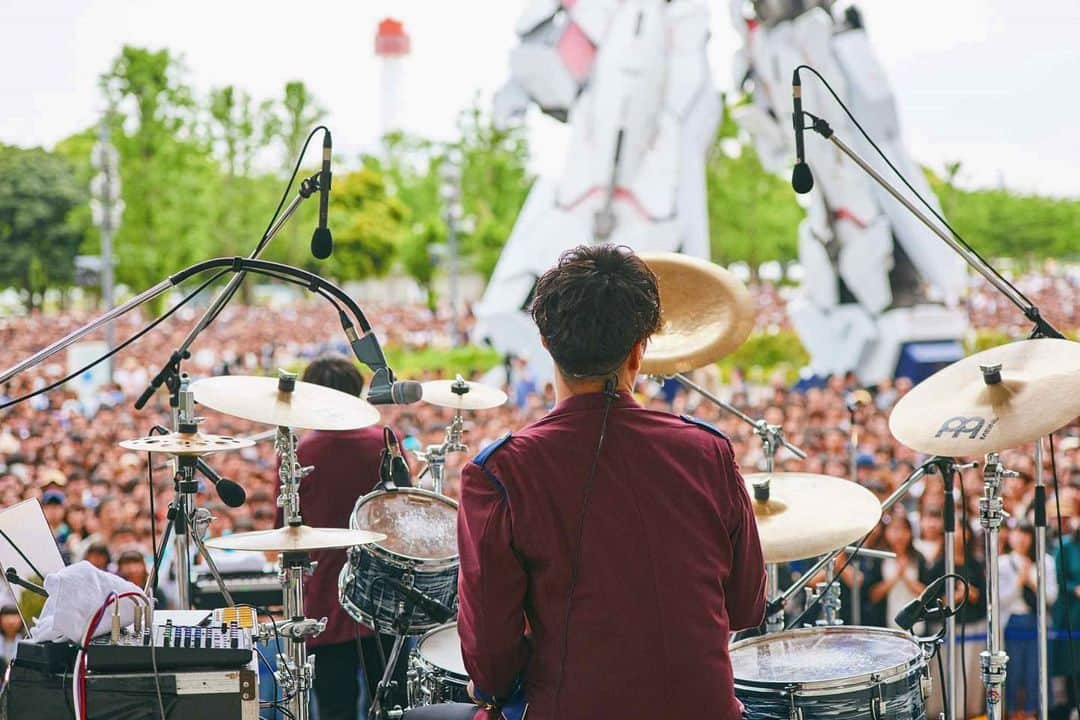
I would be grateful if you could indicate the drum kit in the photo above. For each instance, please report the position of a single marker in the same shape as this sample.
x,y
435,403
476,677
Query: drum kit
x,y
401,574
402,568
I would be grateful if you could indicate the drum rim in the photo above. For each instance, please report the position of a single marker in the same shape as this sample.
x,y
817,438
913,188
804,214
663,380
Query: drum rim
x,y
420,644
360,501
837,685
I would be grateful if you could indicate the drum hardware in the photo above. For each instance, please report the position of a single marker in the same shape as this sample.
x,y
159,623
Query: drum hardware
x,y
402,623
855,400
776,604
993,661
459,395
1040,581
434,456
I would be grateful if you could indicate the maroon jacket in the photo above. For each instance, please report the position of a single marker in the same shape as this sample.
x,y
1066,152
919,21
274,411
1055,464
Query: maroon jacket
x,y
671,562
346,467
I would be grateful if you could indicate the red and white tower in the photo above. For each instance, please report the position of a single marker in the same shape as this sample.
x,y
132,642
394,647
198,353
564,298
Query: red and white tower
x,y
392,46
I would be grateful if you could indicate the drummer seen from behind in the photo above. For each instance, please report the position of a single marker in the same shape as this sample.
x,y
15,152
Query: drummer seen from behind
x,y
607,551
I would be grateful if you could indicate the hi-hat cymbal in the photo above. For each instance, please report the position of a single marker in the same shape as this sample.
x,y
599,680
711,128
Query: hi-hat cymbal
x,y
956,413
307,406
707,312
295,539
462,395
808,515
186,443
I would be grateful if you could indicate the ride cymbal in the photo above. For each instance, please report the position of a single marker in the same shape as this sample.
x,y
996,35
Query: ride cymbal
x,y
808,515
186,443
262,399
995,399
462,395
301,538
707,312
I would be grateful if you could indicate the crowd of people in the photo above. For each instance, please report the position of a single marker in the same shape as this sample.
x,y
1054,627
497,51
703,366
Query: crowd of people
x,y
103,503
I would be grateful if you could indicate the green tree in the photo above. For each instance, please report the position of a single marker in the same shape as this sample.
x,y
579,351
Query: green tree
x,y
286,123
753,215
169,177
494,184
38,240
368,223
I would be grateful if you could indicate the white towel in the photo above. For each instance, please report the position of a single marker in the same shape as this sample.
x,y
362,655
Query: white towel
x,y
75,594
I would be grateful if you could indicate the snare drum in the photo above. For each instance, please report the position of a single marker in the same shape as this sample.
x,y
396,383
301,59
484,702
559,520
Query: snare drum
x,y
839,673
436,670
420,550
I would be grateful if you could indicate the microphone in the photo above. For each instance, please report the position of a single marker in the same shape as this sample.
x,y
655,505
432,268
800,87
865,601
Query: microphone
x,y
802,180
918,609
399,469
231,493
428,604
322,243
399,392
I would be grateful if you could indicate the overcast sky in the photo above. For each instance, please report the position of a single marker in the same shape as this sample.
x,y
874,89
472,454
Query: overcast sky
x,y
991,83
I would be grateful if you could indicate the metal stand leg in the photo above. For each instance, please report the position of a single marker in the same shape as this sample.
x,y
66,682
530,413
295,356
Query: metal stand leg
x,y
295,659
949,516
377,711
993,660
1040,576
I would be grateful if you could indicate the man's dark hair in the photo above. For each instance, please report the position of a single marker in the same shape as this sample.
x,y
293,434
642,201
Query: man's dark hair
x,y
334,371
593,306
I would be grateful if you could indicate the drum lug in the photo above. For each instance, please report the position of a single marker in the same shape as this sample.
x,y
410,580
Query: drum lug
x,y
877,705
794,713
926,682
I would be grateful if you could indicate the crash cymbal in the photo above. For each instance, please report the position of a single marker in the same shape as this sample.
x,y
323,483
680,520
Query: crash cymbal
x,y
808,515
186,443
295,539
957,412
707,312
308,406
462,395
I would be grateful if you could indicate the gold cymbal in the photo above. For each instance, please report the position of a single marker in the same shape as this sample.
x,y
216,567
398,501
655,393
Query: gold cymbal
x,y
294,539
707,313
808,515
468,396
956,413
307,406
186,443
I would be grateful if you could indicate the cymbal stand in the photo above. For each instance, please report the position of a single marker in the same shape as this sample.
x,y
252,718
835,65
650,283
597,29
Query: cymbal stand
x,y
296,670
993,660
184,421
1040,581
853,472
434,456
772,438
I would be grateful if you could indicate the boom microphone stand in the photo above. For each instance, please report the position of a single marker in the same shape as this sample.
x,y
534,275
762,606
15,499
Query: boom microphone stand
x,y
995,657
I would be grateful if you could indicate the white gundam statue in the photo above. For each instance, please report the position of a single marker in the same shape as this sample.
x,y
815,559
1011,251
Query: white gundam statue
x,y
879,289
632,80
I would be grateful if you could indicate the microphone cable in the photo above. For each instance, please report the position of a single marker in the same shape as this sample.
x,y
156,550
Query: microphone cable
x,y
1031,306
610,395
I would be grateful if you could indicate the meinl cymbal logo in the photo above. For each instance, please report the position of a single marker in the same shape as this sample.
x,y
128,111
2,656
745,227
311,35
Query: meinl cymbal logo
x,y
974,427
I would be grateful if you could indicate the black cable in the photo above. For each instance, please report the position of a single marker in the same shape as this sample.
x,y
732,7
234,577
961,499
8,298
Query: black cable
x,y
118,348
1063,575
23,556
944,695
153,518
1034,316
610,394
